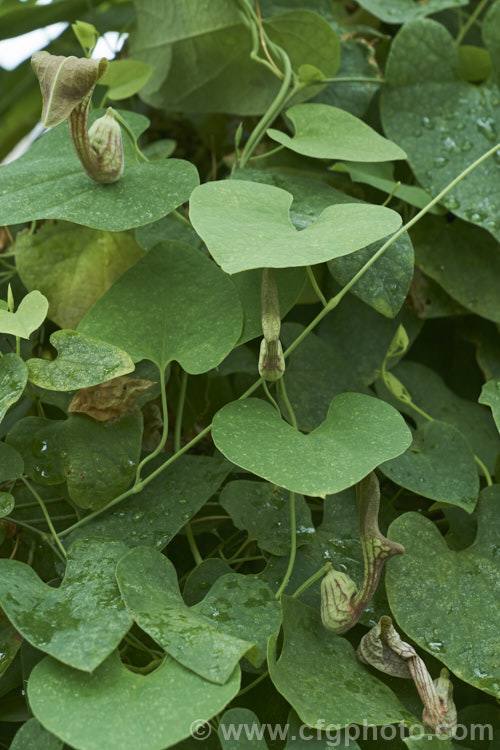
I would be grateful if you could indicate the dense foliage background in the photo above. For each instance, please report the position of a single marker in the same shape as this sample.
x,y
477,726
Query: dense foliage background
x,y
166,516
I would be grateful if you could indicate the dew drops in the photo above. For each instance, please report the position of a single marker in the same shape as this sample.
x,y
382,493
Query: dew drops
x,y
440,161
452,203
466,146
486,126
138,516
427,123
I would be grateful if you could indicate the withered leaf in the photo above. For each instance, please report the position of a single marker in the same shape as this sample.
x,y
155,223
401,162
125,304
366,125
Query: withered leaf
x,y
111,400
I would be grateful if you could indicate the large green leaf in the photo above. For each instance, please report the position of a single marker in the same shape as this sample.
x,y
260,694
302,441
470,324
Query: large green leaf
x,y
48,182
326,132
443,122
223,213
430,393
442,251
73,266
263,510
439,464
32,735
29,316
113,707
447,601
82,621
359,433
319,675
155,515
149,588
400,11
201,55
385,284
209,638
81,362
13,379
96,459
174,304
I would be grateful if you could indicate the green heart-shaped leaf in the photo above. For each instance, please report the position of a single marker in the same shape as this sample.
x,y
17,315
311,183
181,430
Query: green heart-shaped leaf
x,y
29,316
193,636
32,735
385,284
455,121
81,362
48,182
13,379
304,675
96,459
326,132
112,706
82,621
447,601
73,265
155,515
359,433
149,588
125,78
174,304
439,464
223,213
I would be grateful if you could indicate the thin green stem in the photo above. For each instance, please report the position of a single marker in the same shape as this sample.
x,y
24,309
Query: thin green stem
x,y
309,582
180,411
270,115
192,544
286,401
293,548
47,516
268,153
164,436
471,21
131,135
253,684
183,219
315,286
270,397
42,534
485,471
